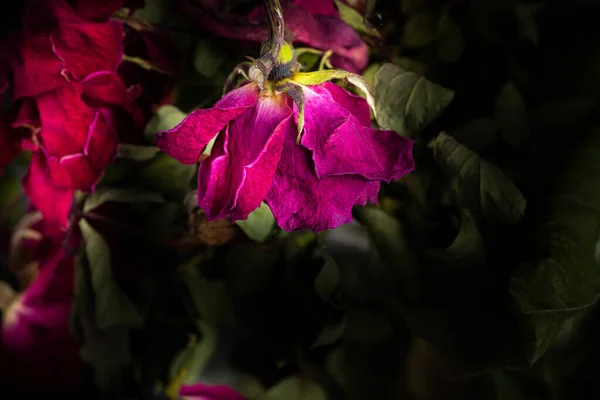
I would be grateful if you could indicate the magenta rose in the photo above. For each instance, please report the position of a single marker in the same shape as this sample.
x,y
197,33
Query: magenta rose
x,y
339,162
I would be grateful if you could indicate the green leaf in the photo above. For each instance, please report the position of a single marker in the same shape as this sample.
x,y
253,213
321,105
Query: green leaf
x,y
511,115
103,195
367,325
476,184
295,388
408,64
166,117
107,351
468,247
168,176
113,307
207,59
420,30
407,102
369,74
353,18
411,7
211,298
191,362
563,285
389,239
330,334
327,281
450,39
259,224
527,16
137,153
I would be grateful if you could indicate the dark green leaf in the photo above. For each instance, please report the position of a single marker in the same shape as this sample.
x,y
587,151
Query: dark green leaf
x,y
407,102
113,307
295,388
450,39
475,184
554,292
420,30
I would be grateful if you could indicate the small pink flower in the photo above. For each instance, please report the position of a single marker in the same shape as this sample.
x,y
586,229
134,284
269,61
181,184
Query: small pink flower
x,y
205,392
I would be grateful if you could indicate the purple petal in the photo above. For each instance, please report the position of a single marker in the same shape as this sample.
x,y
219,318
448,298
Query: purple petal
x,y
355,104
341,145
236,177
205,392
300,200
187,140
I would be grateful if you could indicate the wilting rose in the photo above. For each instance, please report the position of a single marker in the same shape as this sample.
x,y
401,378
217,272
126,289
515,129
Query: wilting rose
x,y
339,162
38,352
314,23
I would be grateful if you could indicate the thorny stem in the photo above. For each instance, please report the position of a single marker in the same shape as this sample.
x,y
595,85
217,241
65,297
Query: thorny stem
x,y
276,29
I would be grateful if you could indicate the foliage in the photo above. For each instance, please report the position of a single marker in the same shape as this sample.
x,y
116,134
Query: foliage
x,y
475,276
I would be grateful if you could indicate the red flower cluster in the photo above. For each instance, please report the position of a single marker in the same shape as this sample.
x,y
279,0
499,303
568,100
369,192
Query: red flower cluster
x,y
69,99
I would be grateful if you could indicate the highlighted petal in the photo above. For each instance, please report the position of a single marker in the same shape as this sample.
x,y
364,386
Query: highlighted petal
x,y
341,145
187,140
236,177
300,200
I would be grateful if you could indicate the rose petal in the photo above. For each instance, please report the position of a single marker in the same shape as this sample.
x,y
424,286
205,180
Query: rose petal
x,y
105,88
65,120
236,177
187,140
88,47
341,145
355,104
101,145
369,193
37,69
300,200
57,47
53,202
200,391
97,10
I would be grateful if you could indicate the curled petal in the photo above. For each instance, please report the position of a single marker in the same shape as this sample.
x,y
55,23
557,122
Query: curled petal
x,y
236,177
341,145
187,140
300,200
